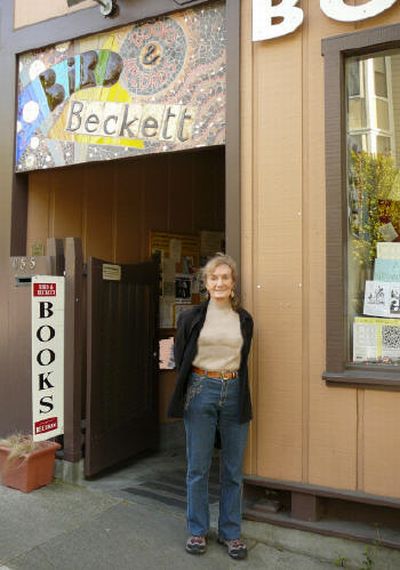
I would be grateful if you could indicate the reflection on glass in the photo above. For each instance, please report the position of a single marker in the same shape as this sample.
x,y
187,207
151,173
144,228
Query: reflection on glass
x,y
357,114
380,77
373,194
353,78
382,115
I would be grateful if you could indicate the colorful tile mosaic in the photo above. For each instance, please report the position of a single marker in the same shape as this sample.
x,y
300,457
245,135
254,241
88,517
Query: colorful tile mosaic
x,y
155,86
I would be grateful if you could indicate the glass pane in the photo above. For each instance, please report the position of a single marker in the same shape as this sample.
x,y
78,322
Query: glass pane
x,y
373,195
380,77
353,78
357,115
382,115
356,142
383,145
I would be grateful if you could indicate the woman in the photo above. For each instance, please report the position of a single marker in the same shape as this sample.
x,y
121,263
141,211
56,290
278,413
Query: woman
x,y
212,393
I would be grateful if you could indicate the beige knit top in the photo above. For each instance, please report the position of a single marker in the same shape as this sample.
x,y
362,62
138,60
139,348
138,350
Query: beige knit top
x,y
220,340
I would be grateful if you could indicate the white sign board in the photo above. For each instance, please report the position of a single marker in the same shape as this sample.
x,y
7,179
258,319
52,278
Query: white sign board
x,y
47,356
111,272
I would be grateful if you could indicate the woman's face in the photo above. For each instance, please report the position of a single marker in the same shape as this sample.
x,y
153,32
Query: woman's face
x,y
220,283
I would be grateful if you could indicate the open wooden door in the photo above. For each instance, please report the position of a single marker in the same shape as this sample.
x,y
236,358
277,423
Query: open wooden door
x,y
122,388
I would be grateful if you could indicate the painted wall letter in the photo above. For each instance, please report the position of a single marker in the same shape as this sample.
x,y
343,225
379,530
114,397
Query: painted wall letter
x,y
342,12
290,16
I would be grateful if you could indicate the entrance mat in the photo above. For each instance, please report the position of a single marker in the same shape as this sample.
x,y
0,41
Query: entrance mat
x,y
170,488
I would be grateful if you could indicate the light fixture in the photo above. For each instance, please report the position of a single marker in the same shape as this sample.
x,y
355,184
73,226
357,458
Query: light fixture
x,y
107,7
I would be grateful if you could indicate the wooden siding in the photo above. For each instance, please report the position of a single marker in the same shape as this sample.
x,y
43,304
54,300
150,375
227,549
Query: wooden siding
x,y
303,431
27,12
113,206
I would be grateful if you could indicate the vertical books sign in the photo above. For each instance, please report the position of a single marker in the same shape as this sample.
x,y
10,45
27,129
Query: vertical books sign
x,y
47,356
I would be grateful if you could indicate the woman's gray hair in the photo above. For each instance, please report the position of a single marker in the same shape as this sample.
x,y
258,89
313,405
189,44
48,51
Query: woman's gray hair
x,y
211,266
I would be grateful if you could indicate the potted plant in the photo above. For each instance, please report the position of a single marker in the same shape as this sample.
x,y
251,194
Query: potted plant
x,y
26,464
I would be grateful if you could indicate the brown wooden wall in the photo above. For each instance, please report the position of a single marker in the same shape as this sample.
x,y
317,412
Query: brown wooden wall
x,y
113,206
303,430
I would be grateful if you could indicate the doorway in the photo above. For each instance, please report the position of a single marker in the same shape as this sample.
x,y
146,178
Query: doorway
x,y
115,208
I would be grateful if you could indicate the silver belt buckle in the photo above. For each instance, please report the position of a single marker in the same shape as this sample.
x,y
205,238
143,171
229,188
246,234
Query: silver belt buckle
x,y
225,375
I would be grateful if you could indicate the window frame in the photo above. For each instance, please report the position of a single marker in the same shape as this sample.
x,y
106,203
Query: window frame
x,y
339,372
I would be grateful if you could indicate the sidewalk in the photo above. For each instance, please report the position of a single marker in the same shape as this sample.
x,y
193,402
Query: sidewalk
x,y
92,526
68,527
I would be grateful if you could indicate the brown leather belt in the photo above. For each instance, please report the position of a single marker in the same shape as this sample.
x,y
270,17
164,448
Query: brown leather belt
x,y
220,374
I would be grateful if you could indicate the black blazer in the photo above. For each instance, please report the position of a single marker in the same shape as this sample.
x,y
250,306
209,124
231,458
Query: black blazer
x,y
189,325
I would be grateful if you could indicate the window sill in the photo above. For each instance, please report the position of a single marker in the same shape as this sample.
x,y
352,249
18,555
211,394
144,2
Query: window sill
x,y
378,378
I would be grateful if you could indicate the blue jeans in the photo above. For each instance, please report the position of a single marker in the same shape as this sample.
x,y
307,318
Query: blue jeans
x,y
212,403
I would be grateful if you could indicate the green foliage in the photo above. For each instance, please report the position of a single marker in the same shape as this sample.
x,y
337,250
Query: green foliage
x,y
368,563
374,196
340,562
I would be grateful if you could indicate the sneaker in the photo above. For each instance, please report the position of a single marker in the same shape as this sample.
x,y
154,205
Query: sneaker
x,y
196,544
236,548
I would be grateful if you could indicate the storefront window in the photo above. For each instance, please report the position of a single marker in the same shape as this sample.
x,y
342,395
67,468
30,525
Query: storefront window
x,y
373,200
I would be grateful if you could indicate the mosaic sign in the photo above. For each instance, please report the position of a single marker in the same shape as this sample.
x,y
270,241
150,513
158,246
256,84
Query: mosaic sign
x,y
156,86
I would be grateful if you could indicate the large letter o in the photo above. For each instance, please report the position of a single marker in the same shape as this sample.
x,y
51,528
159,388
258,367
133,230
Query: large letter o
x,y
342,12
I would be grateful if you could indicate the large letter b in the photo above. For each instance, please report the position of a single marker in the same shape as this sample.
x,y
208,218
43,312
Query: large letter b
x,y
264,12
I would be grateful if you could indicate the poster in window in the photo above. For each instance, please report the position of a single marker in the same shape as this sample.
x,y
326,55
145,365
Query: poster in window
x,y
382,299
183,288
376,340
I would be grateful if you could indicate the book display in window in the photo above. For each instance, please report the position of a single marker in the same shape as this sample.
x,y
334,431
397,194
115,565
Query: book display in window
x,y
373,207
377,340
387,270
